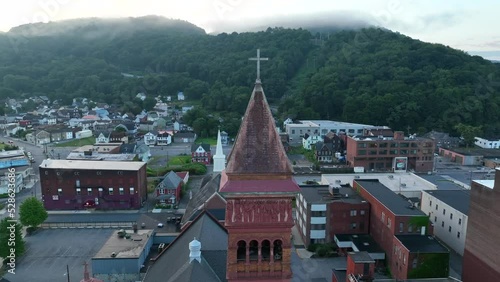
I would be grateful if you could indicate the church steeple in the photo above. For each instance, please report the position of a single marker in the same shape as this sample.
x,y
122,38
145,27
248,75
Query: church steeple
x,y
219,157
258,187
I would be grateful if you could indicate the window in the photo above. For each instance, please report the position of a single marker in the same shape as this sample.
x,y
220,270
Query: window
x,y
266,250
100,190
401,227
293,131
120,190
435,218
449,228
459,221
241,253
59,191
430,203
389,222
318,213
89,191
253,250
362,212
410,228
278,250
354,212
77,183
132,192
353,226
78,191
458,234
436,207
444,211
442,223
383,217
110,191
451,216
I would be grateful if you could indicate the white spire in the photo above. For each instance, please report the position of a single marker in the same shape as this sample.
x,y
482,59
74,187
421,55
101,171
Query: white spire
x,y
219,157
194,250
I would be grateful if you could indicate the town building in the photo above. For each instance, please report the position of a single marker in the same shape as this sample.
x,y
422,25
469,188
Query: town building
x,y
323,211
481,259
442,139
402,230
390,153
168,191
201,153
448,210
103,185
308,141
123,255
487,143
298,129
463,156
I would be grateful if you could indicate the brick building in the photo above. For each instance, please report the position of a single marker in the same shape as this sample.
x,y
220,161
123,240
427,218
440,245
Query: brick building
x,y
201,153
394,224
75,185
390,153
323,212
481,260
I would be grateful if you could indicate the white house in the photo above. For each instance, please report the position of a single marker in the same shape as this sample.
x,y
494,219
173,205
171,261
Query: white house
x,y
309,140
150,138
180,96
102,138
163,138
287,121
187,109
448,211
141,96
83,134
487,144
177,126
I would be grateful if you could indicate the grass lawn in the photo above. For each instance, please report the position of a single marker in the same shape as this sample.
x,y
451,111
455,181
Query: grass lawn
x,y
77,142
211,141
179,160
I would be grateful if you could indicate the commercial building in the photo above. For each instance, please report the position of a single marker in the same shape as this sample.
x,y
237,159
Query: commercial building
x,y
481,256
390,153
296,131
324,211
448,210
401,230
123,255
486,143
74,185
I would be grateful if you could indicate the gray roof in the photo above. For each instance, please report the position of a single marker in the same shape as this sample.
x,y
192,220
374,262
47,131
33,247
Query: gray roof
x,y
173,264
422,244
209,186
170,181
205,147
394,202
316,194
458,199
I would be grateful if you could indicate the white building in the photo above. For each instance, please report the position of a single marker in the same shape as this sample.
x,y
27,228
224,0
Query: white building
x,y
487,144
448,210
296,131
309,140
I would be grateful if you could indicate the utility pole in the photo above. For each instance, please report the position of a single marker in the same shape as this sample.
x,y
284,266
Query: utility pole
x,y
67,271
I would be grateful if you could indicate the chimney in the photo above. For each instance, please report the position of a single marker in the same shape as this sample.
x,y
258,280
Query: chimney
x,y
195,250
399,135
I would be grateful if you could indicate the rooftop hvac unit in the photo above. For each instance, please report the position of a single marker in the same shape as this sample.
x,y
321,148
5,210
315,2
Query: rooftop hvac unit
x,y
403,184
337,181
391,176
357,176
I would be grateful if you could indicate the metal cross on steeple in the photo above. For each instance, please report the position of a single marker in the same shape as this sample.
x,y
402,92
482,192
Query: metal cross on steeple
x,y
258,59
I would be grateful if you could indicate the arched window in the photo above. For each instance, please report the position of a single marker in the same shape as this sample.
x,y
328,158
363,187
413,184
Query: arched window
x,y
278,250
254,250
241,253
266,250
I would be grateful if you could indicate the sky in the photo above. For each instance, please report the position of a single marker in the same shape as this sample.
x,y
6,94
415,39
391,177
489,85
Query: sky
x,y
466,25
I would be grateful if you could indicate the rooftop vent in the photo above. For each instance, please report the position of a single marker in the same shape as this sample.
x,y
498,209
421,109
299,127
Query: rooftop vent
x,y
356,176
195,250
390,176
403,184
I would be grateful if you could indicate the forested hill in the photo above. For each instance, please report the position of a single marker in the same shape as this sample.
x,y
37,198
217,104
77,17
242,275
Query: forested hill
x,y
368,75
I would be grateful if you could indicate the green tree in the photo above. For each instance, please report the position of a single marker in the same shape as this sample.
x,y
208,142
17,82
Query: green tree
x,y
149,103
11,237
468,132
32,213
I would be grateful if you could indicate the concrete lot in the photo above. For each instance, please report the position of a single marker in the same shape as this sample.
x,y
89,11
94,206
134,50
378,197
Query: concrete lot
x,y
49,251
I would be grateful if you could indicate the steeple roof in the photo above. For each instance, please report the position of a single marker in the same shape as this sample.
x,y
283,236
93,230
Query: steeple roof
x,y
257,148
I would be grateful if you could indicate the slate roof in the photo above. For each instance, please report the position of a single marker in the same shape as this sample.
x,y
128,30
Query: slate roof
x,y
205,147
173,263
458,199
257,148
209,186
170,181
127,148
394,202
320,145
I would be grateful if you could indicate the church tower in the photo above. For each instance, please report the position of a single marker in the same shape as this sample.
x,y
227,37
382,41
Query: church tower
x,y
258,187
219,157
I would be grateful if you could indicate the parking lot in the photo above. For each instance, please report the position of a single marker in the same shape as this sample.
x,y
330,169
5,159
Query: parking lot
x,y
49,251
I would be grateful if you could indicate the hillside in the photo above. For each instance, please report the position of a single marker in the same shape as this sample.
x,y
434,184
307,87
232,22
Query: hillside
x,y
366,75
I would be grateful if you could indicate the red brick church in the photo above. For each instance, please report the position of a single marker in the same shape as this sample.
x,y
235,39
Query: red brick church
x,y
254,240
